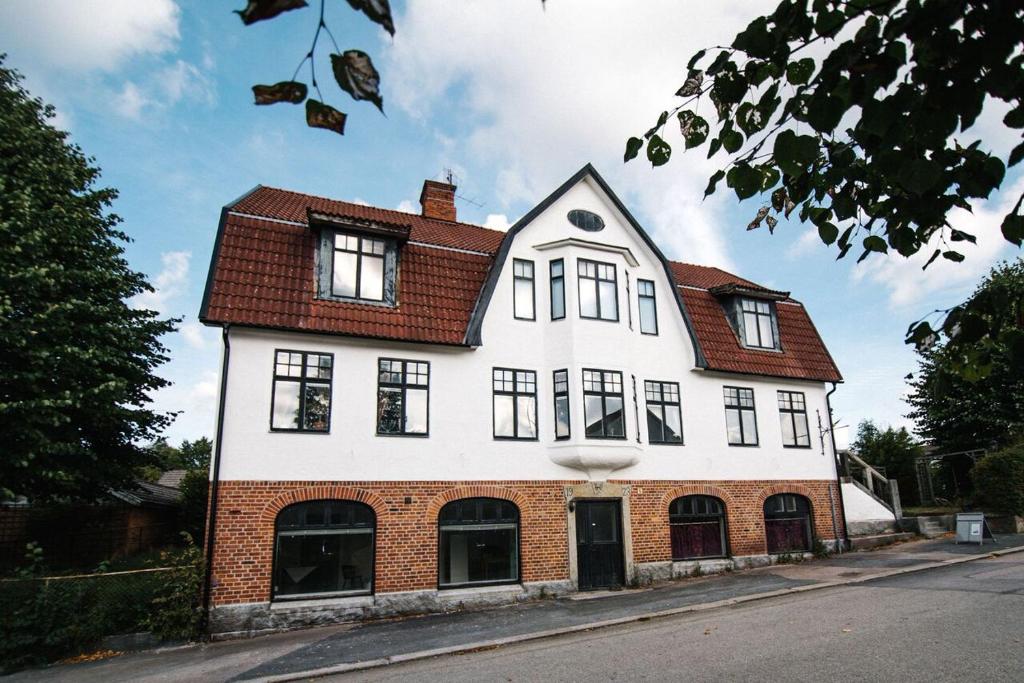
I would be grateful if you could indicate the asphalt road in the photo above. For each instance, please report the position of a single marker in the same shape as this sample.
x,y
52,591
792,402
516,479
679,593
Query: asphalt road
x,y
963,622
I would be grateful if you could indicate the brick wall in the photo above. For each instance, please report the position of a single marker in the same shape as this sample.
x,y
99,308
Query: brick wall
x,y
406,538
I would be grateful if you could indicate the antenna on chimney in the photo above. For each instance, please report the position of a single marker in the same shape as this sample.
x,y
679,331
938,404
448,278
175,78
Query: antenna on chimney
x,y
451,178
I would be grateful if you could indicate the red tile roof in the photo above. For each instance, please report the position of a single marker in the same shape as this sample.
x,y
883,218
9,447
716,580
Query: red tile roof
x,y
263,276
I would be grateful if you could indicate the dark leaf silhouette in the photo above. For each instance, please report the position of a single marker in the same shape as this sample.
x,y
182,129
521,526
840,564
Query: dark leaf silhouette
x,y
692,85
320,115
285,91
258,10
762,213
379,11
355,74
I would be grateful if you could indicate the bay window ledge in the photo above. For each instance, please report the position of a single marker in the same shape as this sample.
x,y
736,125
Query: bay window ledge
x,y
597,460
469,591
332,602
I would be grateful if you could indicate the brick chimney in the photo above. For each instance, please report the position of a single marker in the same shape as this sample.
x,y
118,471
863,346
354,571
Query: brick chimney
x,y
438,200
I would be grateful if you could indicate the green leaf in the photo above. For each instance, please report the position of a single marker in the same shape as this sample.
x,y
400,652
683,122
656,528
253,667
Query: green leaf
x,y
662,118
732,140
828,232
713,182
356,75
320,115
919,175
1013,228
799,72
953,256
794,153
755,40
875,243
658,151
931,259
744,179
285,91
1015,118
692,84
633,146
694,59
828,22
259,10
694,128
1016,155
750,118
779,199
824,112
961,236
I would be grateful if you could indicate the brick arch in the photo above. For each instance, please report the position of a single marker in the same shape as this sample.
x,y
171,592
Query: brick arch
x,y
324,492
697,490
787,487
476,491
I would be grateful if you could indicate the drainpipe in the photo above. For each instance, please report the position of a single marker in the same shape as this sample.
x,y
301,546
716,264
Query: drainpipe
x,y
215,483
839,468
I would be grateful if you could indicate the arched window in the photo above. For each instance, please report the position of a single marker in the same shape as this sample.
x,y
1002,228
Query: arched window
x,y
697,525
324,547
787,523
479,542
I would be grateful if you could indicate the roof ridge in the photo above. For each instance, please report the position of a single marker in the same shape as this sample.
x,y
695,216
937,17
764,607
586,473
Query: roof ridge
x,y
377,208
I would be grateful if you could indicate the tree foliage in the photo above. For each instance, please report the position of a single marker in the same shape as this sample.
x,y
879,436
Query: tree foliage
x,y
891,450
353,70
999,481
873,143
78,362
986,409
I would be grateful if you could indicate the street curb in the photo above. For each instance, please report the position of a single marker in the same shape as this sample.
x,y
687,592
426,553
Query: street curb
x,y
647,616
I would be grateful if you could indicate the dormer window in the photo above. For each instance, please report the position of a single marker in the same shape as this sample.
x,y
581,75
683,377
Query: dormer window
x,y
358,267
758,324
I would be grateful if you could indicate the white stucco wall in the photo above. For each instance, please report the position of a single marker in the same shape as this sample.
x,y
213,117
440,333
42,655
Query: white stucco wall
x,y
860,507
461,446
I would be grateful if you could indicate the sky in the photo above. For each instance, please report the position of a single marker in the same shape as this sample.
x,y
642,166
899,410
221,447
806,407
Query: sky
x,y
512,97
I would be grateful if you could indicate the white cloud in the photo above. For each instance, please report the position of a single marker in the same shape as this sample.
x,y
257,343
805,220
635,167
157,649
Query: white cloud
x,y
497,221
807,242
908,284
72,35
407,206
165,88
130,102
585,79
170,283
197,335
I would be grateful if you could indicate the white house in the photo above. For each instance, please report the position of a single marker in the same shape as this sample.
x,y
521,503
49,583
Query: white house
x,y
418,413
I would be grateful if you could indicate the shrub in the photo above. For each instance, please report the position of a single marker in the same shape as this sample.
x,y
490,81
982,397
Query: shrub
x,y
176,612
999,481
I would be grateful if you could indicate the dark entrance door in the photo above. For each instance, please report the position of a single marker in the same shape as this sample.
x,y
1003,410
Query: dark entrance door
x,y
599,544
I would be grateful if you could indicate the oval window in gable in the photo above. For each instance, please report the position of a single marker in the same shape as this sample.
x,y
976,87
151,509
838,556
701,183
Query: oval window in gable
x,y
586,220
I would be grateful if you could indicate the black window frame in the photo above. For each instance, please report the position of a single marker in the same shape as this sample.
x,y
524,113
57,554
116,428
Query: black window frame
x,y
404,386
791,413
640,296
556,394
532,279
604,408
676,517
597,280
758,314
515,394
478,500
561,280
678,403
359,265
302,381
275,597
740,408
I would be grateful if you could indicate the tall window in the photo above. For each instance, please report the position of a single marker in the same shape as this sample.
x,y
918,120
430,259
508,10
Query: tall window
x,y
664,416
403,388
479,542
697,526
301,395
603,404
648,307
793,419
787,523
758,330
515,404
561,384
598,294
523,294
740,416
322,548
557,268
358,267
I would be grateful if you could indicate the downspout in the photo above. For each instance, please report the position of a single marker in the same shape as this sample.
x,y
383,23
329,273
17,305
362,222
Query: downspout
x,y
839,467
215,479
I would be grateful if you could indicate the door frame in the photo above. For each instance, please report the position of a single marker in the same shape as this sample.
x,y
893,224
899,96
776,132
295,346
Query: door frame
x,y
597,490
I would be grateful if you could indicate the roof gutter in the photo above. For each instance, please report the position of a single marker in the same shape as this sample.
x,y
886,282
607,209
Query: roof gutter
x,y
211,524
840,466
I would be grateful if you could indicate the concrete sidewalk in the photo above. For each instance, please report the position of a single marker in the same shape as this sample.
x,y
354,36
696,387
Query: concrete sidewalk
x,y
336,649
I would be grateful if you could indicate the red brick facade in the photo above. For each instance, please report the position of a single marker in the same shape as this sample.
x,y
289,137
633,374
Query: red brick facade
x,y
406,532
